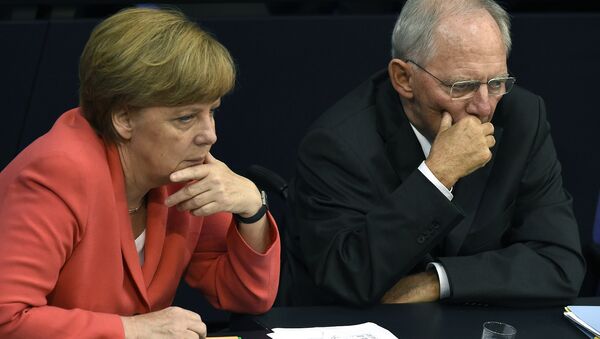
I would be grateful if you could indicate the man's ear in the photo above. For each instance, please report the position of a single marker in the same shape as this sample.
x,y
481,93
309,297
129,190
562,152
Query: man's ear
x,y
122,123
401,77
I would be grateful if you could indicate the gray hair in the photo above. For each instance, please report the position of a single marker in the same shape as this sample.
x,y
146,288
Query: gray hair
x,y
413,36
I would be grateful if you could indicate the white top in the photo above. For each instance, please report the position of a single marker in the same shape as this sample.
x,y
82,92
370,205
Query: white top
x,y
139,246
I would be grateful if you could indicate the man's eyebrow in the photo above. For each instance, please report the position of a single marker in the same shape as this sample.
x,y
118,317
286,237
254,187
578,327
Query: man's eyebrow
x,y
453,79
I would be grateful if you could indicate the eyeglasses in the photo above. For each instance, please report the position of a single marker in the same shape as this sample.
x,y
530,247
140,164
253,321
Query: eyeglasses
x,y
465,89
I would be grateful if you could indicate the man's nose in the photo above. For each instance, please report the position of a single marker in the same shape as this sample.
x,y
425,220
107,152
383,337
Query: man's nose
x,y
480,103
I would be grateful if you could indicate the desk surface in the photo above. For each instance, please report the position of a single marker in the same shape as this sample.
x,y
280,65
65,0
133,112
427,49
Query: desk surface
x,y
432,320
259,334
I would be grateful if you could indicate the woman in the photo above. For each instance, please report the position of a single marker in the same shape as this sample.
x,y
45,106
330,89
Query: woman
x,y
102,216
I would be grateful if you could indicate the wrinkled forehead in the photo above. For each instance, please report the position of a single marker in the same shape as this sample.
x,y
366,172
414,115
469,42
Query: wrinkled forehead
x,y
474,34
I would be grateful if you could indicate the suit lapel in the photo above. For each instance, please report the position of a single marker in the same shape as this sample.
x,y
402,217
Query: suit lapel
x,y
156,222
401,144
128,249
467,195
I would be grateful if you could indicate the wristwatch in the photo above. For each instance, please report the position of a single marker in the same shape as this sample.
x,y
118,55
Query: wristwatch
x,y
261,211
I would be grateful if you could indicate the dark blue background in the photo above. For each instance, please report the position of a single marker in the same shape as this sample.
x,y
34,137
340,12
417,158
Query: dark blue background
x,y
292,68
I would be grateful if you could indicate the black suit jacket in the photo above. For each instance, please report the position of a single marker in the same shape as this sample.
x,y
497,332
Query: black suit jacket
x,y
362,215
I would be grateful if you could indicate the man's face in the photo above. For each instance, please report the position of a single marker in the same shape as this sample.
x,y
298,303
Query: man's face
x,y
467,48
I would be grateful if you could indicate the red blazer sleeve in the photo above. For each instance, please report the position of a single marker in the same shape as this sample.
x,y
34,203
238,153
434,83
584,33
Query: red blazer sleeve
x,y
41,220
229,272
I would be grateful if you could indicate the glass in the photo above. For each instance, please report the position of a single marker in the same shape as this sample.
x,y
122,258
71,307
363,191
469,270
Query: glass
x,y
498,330
465,89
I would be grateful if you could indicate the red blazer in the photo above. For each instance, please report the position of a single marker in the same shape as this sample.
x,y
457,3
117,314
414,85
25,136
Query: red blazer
x,y
68,263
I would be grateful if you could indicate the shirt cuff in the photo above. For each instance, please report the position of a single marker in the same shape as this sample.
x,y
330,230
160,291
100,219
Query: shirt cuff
x,y
429,175
443,277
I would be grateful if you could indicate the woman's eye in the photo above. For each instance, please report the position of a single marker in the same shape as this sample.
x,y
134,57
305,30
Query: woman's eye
x,y
185,118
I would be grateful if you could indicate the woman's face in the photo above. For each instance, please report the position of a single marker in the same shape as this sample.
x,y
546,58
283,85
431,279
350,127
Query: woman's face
x,y
167,139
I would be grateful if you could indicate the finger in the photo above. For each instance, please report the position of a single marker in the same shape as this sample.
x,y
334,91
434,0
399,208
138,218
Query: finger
x,y
488,157
189,334
198,329
490,140
197,201
185,313
208,209
190,173
186,193
487,128
209,159
446,122
192,316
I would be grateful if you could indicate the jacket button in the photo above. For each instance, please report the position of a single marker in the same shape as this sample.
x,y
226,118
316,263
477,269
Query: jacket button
x,y
435,225
421,239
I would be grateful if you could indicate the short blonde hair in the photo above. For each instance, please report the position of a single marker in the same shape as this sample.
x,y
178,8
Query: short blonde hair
x,y
142,57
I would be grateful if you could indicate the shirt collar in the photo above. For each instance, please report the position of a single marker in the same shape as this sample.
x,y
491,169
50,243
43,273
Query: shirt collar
x,y
425,144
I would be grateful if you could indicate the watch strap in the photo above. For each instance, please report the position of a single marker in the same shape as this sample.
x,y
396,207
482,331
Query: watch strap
x,y
258,215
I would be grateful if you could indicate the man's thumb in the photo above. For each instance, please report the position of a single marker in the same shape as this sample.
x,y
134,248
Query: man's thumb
x,y
446,122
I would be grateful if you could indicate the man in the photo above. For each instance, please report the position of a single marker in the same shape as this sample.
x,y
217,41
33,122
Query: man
x,y
436,179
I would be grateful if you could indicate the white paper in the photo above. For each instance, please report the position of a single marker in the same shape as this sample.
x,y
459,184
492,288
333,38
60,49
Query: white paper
x,y
361,331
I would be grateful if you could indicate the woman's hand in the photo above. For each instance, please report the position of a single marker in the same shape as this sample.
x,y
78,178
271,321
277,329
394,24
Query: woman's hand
x,y
214,188
172,322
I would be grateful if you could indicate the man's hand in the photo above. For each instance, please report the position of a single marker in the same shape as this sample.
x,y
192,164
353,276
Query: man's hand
x,y
214,188
460,149
172,322
416,288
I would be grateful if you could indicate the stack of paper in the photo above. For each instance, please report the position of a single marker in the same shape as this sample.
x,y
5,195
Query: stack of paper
x,y
587,319
361,331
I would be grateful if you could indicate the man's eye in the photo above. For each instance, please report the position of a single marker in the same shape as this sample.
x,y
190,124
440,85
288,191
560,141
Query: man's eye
x,y
466,86
495,83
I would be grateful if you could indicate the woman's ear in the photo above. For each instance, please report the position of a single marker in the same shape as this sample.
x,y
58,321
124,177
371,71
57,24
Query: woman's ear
x,y
401,77
122,123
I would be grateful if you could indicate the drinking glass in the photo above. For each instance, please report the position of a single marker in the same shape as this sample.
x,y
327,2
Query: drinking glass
x,y
498,330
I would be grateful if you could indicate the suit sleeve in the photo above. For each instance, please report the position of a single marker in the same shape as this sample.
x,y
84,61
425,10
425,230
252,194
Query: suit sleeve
x,y
229,272
41,222
540,256
356,240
